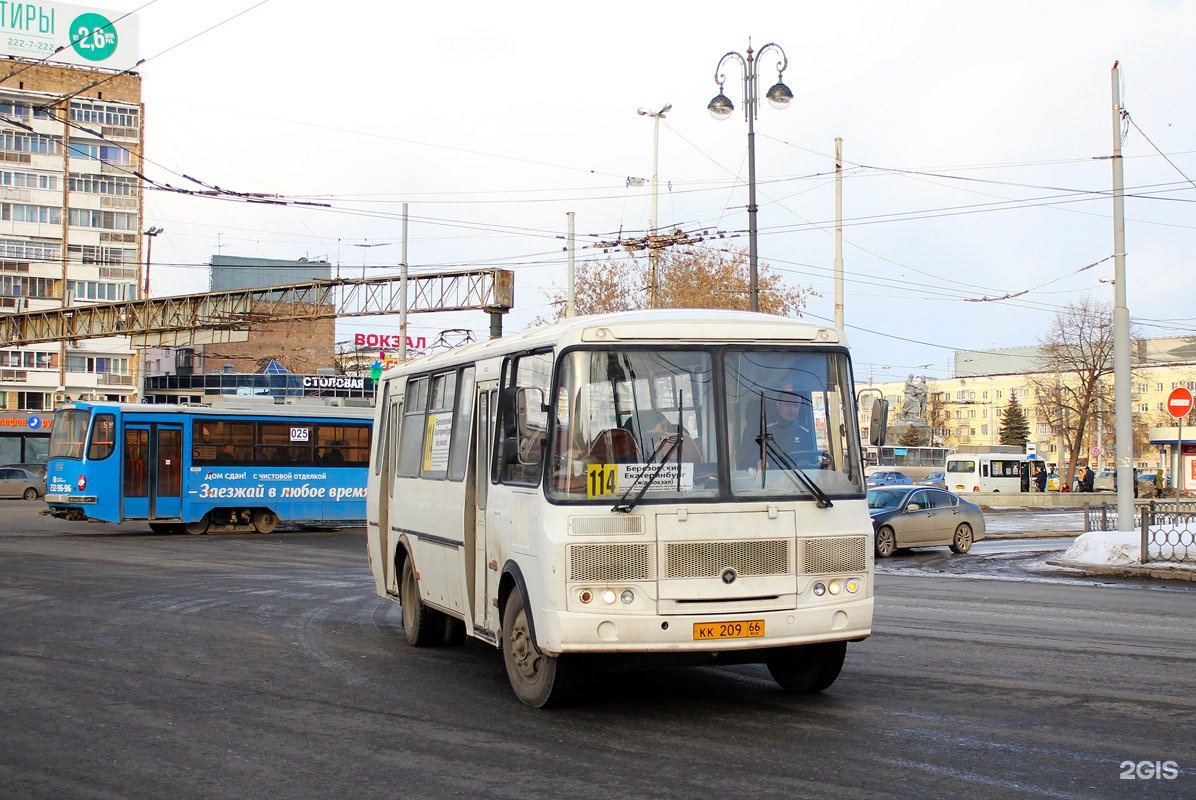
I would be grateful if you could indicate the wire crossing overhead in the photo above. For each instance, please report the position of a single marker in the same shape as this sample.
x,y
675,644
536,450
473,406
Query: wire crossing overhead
x,y
151,321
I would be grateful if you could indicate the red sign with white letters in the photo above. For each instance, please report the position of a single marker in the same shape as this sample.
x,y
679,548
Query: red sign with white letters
x,y
1179,402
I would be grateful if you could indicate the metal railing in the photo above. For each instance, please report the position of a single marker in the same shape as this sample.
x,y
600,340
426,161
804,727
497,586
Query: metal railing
x,y
1167,527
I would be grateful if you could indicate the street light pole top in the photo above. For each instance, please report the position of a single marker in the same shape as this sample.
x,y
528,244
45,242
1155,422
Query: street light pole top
x,y
656,114
154,231
779,96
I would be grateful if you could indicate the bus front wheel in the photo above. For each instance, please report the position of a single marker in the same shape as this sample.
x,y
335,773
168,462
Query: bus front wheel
x,y
421,625
809,668
264,520
538,680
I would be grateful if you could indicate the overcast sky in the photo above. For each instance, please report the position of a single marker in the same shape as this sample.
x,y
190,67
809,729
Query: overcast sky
x,y
976,140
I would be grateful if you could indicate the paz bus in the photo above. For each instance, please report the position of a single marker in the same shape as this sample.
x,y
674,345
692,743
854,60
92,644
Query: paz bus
x,y
225,467
619,485
914,462
986,472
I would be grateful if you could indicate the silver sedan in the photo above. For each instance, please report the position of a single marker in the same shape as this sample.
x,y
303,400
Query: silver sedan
x,y
922,516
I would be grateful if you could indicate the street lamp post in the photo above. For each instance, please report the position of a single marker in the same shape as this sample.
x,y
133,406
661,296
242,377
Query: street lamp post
x,y
149,246
779,97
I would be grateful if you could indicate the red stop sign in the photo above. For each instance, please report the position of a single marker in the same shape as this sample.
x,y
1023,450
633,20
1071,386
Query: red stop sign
x,y
1179,402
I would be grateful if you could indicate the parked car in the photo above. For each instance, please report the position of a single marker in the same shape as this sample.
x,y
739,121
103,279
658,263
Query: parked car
x,y
37,469
922,516
1106,480
938,479
888,477
18,482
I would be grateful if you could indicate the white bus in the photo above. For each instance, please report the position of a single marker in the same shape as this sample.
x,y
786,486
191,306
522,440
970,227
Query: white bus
x,y
623,484
986,472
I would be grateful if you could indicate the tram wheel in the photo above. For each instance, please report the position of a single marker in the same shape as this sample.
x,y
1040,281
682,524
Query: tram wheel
x,y
265,520
197,528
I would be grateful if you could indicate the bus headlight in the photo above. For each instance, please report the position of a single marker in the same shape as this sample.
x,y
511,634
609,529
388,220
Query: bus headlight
x,y
608,596
852,586
836,586
819,589
585,596
628,597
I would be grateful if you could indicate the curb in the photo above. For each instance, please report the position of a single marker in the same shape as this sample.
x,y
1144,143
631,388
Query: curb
x,y
1127,571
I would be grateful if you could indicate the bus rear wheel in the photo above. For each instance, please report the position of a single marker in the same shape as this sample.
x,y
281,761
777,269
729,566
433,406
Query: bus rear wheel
x,y
422,626
808,668
264,520
538,680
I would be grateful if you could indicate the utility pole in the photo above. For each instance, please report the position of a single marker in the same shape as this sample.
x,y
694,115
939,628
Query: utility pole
x,y
653,247
403,293
571,291
1122,390
839,234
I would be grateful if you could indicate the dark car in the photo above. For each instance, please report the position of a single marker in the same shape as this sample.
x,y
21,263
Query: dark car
x,y
888,477
922,516
19,482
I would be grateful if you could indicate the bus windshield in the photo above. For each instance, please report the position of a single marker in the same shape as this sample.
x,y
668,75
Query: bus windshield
x,y
636,425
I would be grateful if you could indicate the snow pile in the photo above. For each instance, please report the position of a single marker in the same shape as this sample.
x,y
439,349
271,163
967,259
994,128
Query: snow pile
x,y
1114,548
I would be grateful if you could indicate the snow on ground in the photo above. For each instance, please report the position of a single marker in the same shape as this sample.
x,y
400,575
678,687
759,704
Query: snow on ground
x,y
1122,548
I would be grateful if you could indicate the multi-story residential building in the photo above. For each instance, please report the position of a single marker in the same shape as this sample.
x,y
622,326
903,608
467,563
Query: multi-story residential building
x,y
967,409
71,144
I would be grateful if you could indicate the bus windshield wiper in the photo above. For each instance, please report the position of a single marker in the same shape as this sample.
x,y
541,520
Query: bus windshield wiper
x,y
673,440
786,463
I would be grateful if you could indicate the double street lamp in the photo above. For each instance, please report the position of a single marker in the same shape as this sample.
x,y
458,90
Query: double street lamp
x,y
721,107
149,247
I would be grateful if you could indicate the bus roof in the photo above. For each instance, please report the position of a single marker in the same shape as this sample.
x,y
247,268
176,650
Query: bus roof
x,y
305,410
698,326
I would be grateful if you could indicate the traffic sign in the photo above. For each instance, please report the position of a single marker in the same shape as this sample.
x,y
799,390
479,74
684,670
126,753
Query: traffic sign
x,y
1179,402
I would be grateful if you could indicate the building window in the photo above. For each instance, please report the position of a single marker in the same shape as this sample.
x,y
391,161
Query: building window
x,y
29,180
20,212
108,220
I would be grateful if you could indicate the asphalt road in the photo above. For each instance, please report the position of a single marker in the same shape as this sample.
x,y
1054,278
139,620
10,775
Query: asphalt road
x,y
245,666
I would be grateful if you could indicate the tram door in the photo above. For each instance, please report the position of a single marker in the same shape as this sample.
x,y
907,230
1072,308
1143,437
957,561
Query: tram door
x,y
151,471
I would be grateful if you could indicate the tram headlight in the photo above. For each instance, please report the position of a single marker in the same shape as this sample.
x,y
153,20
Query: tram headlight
x,y
82,482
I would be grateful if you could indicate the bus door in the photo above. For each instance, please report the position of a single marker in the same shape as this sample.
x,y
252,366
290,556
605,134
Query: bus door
x,y
152,471
483,581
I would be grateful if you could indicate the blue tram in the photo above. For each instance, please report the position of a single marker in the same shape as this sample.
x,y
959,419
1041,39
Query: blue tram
x,y
222,467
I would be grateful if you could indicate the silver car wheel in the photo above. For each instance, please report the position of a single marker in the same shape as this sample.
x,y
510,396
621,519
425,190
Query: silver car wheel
x,y
962,541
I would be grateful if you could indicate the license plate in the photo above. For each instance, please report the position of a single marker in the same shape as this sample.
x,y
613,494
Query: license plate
x,y
740,629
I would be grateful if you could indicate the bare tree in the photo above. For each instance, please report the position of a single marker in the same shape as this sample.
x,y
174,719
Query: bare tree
x,y
690,278
1077,360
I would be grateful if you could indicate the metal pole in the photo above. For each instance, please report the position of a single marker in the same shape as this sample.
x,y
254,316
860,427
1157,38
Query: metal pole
x,y
750,102
1123,397
653,248
403,293
839,324
571,298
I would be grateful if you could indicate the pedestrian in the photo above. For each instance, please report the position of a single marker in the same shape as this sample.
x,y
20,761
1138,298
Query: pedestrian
x,y
1088,481
1040,479
1158,483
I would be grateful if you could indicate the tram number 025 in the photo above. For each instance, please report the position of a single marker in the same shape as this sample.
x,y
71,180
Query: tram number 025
x,y
742,629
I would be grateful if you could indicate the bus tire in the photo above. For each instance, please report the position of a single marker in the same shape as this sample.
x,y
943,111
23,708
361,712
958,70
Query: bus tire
x,y
962,541
886,542
264,520
808,668
422,626
538,680
197,528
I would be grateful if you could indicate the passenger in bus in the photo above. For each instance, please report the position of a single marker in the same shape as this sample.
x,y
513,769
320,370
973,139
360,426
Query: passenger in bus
x,y
332,455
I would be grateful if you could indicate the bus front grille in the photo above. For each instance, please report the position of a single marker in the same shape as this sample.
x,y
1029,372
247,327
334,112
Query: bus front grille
x,y
610,562
711,559
835,554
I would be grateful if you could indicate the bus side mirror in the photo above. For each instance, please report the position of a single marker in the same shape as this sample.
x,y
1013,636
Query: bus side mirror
x,y
878,422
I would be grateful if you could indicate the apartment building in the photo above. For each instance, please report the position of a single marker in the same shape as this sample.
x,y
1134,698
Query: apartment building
x,y
71,145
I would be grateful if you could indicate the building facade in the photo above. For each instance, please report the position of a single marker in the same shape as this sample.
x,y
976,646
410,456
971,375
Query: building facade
x,y
71,150
967,409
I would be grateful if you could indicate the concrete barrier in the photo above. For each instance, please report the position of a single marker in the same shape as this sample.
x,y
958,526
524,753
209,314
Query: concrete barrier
x,y
1043,500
